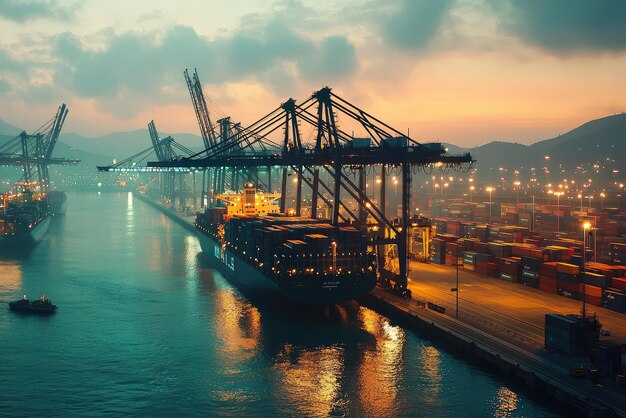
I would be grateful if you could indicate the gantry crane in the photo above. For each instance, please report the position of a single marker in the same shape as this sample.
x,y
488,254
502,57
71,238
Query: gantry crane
x,y
165,150
337,154
34,151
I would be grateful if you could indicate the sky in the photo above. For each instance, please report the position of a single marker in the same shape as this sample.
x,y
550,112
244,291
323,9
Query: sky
x,y
465,72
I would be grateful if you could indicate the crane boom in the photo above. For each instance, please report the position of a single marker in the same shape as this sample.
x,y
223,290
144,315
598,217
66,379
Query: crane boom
x,y
154,137
55,131
207,130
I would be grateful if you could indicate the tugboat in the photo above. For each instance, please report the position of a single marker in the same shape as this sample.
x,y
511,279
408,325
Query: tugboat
x,y
40,306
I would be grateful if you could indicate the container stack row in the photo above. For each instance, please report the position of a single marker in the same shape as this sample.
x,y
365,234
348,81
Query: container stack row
x,y
552,265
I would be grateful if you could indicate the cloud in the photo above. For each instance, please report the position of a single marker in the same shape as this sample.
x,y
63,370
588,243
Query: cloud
x,y
566,26
4,86
414,23
23,10
144,63
335,59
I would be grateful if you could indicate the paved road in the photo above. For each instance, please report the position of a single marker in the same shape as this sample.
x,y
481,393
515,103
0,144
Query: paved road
x,y
509,307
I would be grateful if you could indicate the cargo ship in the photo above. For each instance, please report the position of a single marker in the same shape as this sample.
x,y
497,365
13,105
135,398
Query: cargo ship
x,y
266,252
24,218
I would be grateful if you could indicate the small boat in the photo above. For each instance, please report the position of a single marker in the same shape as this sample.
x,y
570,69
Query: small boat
x,y
38,306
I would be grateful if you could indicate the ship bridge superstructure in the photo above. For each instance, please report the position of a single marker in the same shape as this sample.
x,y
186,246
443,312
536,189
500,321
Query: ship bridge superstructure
x,y
250,201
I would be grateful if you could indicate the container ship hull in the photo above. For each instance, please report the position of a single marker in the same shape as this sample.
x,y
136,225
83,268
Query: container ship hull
x,y
312,290
26,236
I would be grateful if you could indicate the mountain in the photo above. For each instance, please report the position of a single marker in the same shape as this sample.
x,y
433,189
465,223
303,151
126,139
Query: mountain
x,y
8,129
600,142
124,144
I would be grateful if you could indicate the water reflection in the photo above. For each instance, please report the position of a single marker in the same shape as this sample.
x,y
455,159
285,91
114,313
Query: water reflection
x,y
380,369
10,277
318,374
339,360
130,217
430,359
506,403
192,248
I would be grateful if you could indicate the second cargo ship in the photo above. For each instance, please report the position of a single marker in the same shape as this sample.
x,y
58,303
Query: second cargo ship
x,y
24,218
261,250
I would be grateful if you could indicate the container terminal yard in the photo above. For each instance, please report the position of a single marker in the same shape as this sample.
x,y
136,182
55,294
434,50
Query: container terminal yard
x,y
511,285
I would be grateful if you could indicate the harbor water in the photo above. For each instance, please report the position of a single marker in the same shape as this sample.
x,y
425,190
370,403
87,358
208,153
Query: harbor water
x,y
145,327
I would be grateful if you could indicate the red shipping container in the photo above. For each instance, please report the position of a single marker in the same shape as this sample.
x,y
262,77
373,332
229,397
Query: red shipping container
x,y
593,291
619,283
594,300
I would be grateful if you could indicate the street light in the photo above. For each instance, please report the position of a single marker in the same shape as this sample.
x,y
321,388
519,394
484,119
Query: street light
x,y
602,196
456,289
532,222
558,210
586,227
517,183
471,193
489,189
580,196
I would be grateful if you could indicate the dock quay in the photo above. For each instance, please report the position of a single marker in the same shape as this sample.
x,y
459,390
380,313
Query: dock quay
x,y
544,374
506,336
180,218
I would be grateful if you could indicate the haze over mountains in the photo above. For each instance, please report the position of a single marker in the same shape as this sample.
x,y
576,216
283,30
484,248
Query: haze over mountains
x,y
599,142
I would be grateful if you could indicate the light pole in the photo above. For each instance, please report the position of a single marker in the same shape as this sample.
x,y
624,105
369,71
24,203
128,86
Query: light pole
x,y
489,189
456,289
558,210
517,184
580,196
471,193
532,223
602,196
590,197
586,227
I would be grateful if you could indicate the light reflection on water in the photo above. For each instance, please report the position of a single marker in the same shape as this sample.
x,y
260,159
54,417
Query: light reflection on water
x,y
146,327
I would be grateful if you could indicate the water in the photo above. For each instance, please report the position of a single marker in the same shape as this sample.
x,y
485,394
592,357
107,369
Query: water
x,y
144,327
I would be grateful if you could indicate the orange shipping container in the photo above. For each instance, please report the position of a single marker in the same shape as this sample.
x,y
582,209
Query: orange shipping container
x,y
567,268
593,291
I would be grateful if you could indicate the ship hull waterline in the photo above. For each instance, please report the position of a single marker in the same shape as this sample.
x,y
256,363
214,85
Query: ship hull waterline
x,y
29,237
329,291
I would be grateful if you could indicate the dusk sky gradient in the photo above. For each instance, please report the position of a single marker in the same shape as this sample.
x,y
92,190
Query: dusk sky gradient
x,y
461,71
